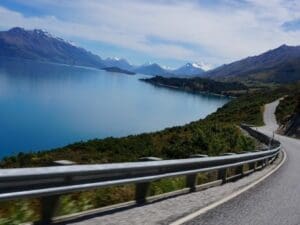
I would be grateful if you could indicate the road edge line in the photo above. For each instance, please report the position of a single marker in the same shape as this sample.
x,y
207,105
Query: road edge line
x,y
229,197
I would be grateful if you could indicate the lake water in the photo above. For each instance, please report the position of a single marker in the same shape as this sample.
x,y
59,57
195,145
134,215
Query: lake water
x,y
43,106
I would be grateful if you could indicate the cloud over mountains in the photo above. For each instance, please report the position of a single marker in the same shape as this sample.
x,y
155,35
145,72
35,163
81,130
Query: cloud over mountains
x,y
210,31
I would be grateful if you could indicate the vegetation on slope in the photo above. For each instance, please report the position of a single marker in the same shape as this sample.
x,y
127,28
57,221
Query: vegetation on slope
x,y
216,134
288,114
287,107
197,84
206,137
118,70
246,109
280,65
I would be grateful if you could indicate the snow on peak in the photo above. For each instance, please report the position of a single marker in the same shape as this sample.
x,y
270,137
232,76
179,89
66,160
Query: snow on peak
x,y
148,63
188,65
199,65
115,59
196,65
49,35
202,65
72,43
167,67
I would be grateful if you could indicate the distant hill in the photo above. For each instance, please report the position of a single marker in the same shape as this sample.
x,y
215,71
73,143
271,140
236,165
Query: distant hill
x,y
198,84
40,45
118,70
280,65
152,69
120,63
189,69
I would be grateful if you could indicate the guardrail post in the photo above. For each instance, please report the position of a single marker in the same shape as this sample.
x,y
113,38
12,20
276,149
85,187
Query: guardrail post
x,y
255,164
191,180
277,155
274,158
240,170
49,204
141,189
222,175
271,140
259,165
252,166
267,162
263,163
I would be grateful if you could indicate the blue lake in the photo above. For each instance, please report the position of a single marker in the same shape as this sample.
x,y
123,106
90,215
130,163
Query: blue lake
x,y
43,106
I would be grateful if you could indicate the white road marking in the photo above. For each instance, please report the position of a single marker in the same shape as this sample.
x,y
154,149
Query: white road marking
x,y
229,197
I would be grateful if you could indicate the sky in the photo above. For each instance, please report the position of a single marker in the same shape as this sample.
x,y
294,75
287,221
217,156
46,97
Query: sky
x,y
169,32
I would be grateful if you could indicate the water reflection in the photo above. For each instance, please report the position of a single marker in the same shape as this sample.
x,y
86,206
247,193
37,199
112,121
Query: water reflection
x,y
46,105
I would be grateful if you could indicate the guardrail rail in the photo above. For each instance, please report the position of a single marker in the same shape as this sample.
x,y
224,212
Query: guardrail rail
x,y
48,183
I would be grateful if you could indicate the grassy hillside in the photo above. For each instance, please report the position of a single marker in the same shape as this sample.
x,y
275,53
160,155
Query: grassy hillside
x,y
204,136
216,134
245,109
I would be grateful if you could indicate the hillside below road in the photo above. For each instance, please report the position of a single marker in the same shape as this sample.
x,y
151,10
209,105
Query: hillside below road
x,y
274,201
171,209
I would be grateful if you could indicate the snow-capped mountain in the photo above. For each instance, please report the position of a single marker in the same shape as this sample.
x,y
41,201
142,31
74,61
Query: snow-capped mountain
x,y
189,69
204,66
118,62
152,69
41,46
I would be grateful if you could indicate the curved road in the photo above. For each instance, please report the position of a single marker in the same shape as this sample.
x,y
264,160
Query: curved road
x,y
275,201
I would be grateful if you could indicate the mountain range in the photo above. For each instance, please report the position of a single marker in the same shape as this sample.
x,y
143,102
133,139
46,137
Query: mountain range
x,y
189,69
118,62
279,65
39,45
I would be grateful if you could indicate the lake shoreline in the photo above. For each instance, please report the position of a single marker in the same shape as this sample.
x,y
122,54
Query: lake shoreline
x,y
189,91
114,137
67,104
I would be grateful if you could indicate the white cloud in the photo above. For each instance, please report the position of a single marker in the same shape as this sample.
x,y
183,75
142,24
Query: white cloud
x,y
218,33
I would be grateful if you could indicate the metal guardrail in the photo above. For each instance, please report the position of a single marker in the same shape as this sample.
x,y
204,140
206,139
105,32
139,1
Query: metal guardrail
x,y
48,183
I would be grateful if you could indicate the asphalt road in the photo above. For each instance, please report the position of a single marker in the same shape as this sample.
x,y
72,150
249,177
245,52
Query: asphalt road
x,y
275,201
